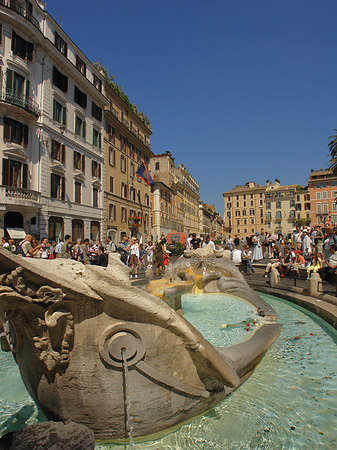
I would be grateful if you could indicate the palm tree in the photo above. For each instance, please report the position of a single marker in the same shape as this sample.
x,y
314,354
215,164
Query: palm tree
x,y
333,153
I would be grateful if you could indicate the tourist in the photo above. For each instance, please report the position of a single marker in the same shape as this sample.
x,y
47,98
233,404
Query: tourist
x,y
230,243
66,248
299,262
319,237
306,245
236,256
102,257
188,241
26,248
58,248
50,250
271,243
195,242
43,252
77,252
297,238
287,262
3,241
123,249
208,241
236,241
141,257
247,259
149,253
159,257
110,246
257,252
85,249
9,245
134,257
93,252
316,264
275,261
326,273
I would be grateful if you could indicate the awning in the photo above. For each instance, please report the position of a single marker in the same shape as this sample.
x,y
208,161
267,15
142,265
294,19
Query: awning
x,y
16,233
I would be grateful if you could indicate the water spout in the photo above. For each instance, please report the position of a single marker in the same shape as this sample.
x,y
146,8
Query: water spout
x,y
127,402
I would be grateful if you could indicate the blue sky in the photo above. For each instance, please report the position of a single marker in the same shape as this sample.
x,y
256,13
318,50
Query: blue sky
x,y
237,90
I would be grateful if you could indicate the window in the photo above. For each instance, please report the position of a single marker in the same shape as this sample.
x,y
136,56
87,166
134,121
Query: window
x,y
237,213
14,174
292,203
15,131
123,214
324,194
124,190
111,184
292,214
157,166
60,44
238,204
96,138
139,155
96,169
133,194
79,161
80,97
97,83
325,208
132,151
238,222
55,228
96,111
244,204
244,212
147,200
268,205
57,187
132,169
318,195
123,143
251,195
278,215
17,88
268,216
58,151
95,197
60,80
112,212
112,156
81,66
77,229
59,112
318,208
252,212
278,205
252,203
252,221
111,134
80,126
22,48
307,206
78,188
123,163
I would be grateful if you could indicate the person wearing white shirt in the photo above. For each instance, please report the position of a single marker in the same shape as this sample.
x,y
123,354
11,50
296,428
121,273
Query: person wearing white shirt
x,y
237,256
208,242
134,256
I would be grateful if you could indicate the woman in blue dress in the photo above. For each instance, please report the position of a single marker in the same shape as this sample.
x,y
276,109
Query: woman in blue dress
x,y
257,252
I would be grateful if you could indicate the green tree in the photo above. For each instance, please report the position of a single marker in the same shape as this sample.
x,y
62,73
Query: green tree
x,y
333,152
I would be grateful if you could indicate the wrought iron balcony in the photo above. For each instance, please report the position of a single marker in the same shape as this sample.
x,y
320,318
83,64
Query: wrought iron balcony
x,y
13,5
22,101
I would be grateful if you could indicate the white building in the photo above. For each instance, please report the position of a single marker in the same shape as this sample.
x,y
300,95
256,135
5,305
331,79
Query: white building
x,y
51,112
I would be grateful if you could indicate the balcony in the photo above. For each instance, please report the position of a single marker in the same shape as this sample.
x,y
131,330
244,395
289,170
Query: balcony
x,y
19,196
15,98
12,5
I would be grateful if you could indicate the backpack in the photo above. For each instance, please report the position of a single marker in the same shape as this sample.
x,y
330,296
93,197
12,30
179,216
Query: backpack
x,y
19,249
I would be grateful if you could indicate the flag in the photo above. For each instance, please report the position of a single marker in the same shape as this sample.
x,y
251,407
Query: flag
x,y
143,173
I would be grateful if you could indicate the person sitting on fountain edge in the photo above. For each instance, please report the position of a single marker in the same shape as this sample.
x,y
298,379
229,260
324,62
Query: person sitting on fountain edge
x,y
326,273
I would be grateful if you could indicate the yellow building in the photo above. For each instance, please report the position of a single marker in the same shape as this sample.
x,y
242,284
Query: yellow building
x,y
188,200
126,196
244,209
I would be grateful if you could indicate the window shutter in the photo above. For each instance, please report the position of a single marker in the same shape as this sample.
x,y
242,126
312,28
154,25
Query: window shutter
x,y
63,153
13,40
53,148
55,75
56,37
63,189
64,83
64,116
65,49
9,79
76,94
83,163
25,176
29,50
25,135
99,171
7,128
74,165
27,89
5,172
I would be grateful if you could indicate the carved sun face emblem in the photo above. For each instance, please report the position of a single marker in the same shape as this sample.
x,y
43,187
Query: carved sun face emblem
x,y
203,257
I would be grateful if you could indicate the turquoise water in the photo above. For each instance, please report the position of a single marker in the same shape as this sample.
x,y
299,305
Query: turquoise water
x,y
287,404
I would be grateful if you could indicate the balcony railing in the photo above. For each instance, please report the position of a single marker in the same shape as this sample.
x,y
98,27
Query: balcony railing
x,y
11,4
17,193
22,101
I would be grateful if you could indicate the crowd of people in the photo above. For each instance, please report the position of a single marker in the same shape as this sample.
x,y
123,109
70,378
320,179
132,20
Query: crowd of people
x,y
311,248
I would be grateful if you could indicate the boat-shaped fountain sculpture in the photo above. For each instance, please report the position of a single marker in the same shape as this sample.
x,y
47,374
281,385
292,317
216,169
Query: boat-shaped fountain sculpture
x,y
86,340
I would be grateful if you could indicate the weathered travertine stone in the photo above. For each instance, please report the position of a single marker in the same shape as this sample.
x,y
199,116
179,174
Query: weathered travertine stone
x,y
72,327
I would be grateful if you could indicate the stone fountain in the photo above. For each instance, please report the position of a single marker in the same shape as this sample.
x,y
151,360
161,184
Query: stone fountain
x,y
95,350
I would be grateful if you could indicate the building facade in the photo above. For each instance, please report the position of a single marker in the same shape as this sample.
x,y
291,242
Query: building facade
x,y
126,196
323,193
244,210
188,199
51,108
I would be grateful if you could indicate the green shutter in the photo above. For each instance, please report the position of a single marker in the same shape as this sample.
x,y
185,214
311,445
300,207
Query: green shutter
x,y
27,89
25,176
64,115
9,79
